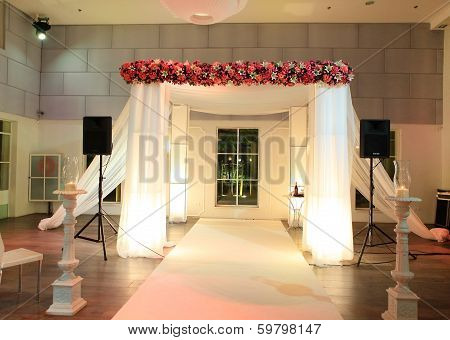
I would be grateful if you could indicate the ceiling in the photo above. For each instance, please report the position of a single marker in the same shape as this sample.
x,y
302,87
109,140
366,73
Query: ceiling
x,y
89,12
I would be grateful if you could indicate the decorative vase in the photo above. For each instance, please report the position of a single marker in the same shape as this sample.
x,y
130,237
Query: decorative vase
x,y
402,178
70,172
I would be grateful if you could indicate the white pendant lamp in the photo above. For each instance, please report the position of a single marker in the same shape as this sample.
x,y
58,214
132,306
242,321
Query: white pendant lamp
x,y
204,12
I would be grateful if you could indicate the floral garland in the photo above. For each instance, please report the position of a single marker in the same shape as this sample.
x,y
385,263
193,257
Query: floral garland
x,y
288,73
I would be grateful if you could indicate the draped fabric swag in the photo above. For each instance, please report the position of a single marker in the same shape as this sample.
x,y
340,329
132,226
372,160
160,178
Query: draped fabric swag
x,y
333,163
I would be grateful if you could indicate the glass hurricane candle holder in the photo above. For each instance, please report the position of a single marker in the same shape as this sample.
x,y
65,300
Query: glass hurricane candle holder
x,y
70,173
402,178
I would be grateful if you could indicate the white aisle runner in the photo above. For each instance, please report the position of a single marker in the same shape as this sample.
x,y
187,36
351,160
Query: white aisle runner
x,y
232,269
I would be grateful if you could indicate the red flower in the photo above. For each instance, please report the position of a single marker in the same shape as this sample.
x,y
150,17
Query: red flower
x,y
287,73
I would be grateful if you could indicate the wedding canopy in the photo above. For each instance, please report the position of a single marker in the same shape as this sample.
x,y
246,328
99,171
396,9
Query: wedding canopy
x,y
332,157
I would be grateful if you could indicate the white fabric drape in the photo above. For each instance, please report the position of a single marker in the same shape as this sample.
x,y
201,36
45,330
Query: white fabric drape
x,y
114,174
327,232
143,215
330,138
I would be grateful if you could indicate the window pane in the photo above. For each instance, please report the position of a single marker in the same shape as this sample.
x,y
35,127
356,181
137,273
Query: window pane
x,y
227,141
248,193
37,189
388,164
226,192
51,166
89,159
37,166
114,196
226,166
50,186
248,167
360,201
4,148
248,141
5,126
4,176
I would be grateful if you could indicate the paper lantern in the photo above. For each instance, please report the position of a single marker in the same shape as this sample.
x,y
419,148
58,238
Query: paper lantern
x,y
204,12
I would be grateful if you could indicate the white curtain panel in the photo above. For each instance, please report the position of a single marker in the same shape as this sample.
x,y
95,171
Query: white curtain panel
x,y
143,215
328,220
114,174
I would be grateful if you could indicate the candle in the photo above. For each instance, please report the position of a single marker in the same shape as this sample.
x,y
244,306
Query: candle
x,y
70,186
402,192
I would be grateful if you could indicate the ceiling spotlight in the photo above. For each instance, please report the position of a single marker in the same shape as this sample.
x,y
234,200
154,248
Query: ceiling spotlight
x,y
42,26
369,3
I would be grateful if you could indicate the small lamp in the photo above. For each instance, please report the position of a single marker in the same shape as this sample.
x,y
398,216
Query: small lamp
x,y
70,173
402,179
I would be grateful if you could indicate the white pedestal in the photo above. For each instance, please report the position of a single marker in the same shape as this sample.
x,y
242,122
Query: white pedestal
x,y
402,302
67,300
401,305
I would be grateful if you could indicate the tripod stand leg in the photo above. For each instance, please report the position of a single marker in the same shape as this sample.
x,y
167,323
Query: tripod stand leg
x,y
364,246
102,238
85,226
359,232
110,224
386,235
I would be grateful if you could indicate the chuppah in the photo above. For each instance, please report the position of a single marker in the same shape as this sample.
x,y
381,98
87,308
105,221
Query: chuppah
x,y
332,161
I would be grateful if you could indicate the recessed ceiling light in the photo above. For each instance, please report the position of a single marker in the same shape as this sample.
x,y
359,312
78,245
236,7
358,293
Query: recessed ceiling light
x,y
329,7
416,6
369,3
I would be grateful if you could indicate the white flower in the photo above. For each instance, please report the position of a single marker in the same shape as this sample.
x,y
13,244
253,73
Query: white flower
x,y
301,65
273,76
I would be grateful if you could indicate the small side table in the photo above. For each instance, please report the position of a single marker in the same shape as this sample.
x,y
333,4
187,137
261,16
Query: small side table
x,y
67,298
402,302
295,211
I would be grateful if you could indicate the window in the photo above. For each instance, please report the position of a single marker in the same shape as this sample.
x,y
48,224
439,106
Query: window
x,y
116,194
360,201
5,164
237,167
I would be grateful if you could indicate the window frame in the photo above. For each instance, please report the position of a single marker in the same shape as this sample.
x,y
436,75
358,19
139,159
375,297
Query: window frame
x,y
236,205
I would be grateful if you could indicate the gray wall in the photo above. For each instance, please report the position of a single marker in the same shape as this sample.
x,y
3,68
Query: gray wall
x,y
402,82
79,64
20,65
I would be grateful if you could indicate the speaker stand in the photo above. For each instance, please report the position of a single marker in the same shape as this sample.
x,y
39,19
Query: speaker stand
x,y
99,216
371,227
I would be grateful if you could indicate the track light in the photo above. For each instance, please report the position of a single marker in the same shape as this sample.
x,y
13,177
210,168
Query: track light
x,y
42,26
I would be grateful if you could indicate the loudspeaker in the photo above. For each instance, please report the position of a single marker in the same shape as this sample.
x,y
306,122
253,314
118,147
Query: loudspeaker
x,y
97,135
374,138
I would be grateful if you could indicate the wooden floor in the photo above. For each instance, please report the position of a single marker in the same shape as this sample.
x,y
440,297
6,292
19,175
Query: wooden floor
x,y
359,293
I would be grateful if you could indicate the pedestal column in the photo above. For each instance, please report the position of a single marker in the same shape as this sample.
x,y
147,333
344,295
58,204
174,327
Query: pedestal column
x,y
67,298
402,302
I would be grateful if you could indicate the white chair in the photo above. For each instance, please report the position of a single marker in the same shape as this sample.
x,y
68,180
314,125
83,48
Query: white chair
x,y
19,257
